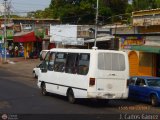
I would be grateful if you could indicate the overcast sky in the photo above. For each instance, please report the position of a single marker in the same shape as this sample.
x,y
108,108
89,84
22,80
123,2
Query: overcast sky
x,y
27,5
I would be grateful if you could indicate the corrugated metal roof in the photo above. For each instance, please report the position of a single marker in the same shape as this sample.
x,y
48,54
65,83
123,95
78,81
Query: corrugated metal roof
x,y
105,38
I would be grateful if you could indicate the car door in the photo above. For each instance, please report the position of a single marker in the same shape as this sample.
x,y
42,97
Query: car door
x,y
43,70
51,75
139,89
132,87
142,89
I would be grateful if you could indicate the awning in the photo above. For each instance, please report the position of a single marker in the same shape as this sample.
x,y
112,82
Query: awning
x,y
24,37
150,49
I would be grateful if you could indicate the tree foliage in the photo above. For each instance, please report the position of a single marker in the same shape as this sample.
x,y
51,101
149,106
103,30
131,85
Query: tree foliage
x,y
145,4
83,11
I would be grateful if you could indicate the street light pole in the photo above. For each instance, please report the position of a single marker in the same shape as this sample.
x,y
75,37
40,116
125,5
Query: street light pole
x,y
96,25
5,36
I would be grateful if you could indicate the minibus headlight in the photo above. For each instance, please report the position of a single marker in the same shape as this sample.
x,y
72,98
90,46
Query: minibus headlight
x,y
91,81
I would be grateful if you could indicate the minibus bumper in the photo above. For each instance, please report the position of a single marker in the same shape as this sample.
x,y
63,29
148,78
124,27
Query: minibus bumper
x,y
108,95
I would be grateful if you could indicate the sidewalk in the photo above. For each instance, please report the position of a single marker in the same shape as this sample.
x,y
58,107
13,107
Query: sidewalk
x,y
20,66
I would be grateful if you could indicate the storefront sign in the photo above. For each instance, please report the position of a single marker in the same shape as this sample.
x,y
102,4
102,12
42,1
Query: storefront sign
x,y
127,42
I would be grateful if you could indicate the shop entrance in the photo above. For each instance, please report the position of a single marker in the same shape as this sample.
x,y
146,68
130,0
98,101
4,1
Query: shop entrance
x,y
133,63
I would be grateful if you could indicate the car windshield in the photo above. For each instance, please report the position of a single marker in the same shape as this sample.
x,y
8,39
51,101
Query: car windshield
x,y
153,82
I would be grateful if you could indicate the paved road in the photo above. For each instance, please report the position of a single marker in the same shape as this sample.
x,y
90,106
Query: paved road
x,y
19,94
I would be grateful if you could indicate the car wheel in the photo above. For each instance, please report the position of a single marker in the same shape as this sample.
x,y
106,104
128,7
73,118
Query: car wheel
x,y
154,100
43,89
71,97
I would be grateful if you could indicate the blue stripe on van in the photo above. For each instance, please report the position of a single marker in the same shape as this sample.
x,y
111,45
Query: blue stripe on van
x,y
64,85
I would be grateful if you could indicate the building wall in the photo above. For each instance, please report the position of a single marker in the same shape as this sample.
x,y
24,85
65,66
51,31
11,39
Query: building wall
x,y
146,64
148,22
133,63
146,17
149,29
142,63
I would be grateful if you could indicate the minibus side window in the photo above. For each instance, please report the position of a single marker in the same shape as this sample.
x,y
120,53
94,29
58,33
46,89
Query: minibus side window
x,y
60,62
71,63
51,61
83,64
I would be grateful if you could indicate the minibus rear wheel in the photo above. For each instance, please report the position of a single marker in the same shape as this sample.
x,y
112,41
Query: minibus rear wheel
x,y
43,89
70,96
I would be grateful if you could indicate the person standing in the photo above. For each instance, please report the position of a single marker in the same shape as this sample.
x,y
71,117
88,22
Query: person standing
x,y
16,51
10,51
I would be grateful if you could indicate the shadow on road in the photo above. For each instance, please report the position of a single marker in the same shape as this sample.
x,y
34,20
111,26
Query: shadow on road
x,y
119,103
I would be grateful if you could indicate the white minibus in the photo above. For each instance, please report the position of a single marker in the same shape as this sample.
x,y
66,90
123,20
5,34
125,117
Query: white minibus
x,y
85,73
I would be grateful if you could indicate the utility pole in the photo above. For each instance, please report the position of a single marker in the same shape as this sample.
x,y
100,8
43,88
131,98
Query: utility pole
x,y
96,24
5,33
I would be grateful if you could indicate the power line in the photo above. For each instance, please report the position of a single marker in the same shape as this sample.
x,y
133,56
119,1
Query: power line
x,y
17,3
22,3
32,7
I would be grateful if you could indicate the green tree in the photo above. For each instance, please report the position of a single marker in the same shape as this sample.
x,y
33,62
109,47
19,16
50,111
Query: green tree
x,y
128,12
47,13
116,8
158,3
38,14
145,4
82,11
104,12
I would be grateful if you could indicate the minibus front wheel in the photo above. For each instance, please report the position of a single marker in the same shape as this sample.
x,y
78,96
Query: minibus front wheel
x,y
70,96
